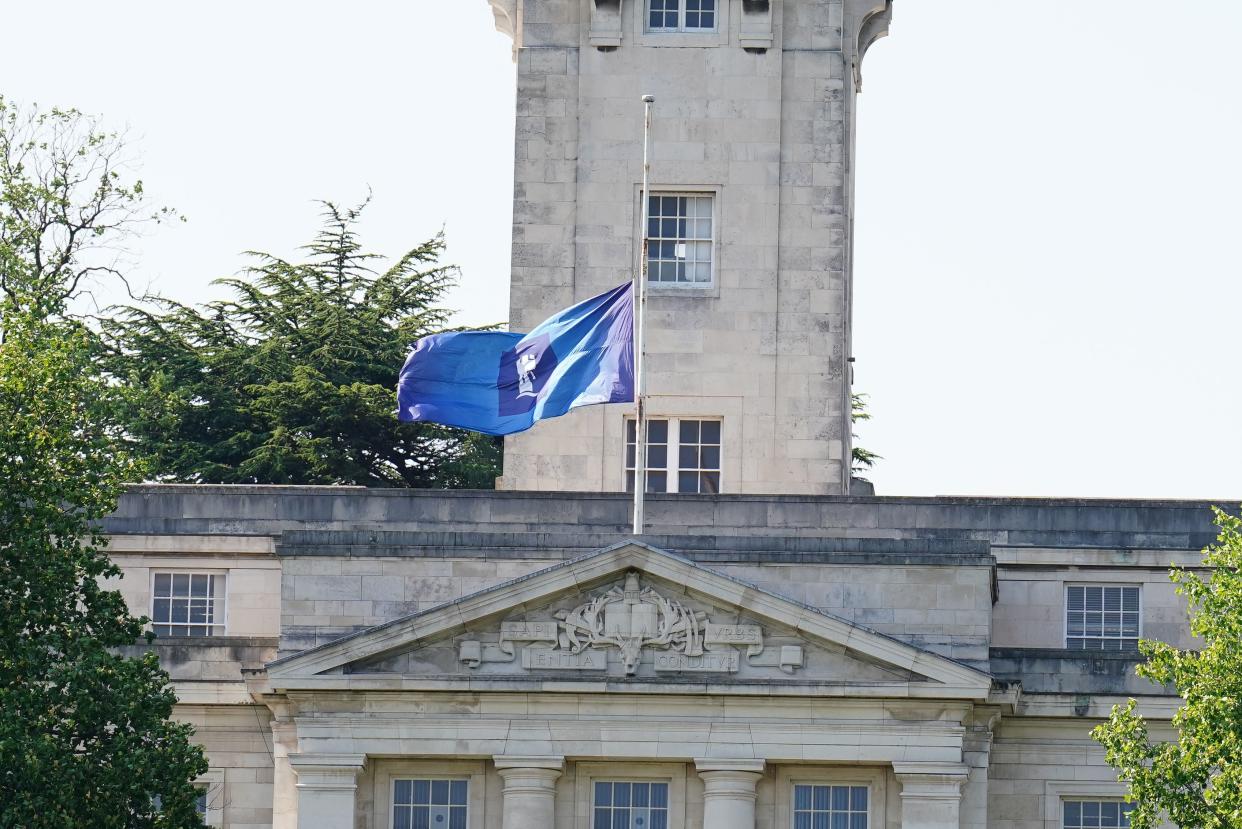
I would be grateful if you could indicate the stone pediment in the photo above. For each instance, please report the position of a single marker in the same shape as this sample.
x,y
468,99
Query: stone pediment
x,y
628,615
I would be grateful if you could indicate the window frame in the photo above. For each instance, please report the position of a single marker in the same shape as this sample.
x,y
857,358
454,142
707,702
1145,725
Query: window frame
x,y
1065,612
874,779
631,779
682,11
711,288
221,612
427,778
388,772
587,773
672,464
1064,799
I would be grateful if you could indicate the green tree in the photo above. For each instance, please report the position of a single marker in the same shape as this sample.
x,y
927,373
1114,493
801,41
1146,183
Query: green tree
x,y
85,734
1196,779
863,459
292,381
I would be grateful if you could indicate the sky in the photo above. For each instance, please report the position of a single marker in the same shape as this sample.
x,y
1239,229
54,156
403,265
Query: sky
x,y
1047,269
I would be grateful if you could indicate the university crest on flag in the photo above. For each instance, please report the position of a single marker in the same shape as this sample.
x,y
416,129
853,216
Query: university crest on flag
x,y
500,382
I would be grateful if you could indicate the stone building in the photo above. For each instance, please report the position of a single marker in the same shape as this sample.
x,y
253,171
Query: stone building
x,y
775,653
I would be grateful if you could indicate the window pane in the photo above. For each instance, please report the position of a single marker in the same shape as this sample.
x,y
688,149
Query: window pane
x,y
659,795
688,482
621,794
163,584
181,584
711,431
690,431
603,794
709,457
422,791
160,610
657,431
688,457
603,819
640,794
439,792
709,482
457,793
657,456
401,818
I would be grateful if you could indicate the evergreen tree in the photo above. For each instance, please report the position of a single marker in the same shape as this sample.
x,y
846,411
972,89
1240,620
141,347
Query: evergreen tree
x,y
293,379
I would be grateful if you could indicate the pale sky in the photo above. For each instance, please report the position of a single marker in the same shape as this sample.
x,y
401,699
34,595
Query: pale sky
x,y
1048,215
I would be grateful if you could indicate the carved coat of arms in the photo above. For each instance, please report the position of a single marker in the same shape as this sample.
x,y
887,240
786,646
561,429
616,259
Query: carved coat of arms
x,y
630,617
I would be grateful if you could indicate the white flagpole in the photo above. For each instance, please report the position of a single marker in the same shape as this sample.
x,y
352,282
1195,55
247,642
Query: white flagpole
x,y
640,343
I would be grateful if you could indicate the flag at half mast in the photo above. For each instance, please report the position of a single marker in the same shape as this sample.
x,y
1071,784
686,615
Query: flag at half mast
x,y
500,382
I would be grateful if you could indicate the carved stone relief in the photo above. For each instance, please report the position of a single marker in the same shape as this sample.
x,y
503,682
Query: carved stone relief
x,y
630,618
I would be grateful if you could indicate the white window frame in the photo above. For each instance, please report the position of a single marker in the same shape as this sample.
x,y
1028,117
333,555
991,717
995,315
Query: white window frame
x,y
221,626
672,460
388,772
631,779
429,779
874,779
711,240
674,774
1083,799
710,288
1065,612
681,20
1056,792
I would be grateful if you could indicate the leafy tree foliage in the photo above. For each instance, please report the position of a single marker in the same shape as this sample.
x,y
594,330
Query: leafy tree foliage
x,y
67,205
292,381
85,735
1195,779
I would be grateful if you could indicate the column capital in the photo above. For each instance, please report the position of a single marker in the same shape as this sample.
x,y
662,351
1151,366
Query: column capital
x,y
327,771
931,780
747,764
529,761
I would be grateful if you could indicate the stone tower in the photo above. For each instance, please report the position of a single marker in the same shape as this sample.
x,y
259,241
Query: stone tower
x,y
752,178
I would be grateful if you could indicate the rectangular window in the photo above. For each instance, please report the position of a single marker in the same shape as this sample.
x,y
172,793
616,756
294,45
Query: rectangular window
x,y
623,805
683,455
187,604
200,804
830,807
681,15
1101,617
1095,814
679,238
429,804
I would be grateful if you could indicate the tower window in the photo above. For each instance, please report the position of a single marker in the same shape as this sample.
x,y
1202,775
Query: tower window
x,y
681,15
1101,617
679,238
683,455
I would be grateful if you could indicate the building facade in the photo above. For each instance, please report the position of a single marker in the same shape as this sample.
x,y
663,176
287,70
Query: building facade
x,y
775,653
511,660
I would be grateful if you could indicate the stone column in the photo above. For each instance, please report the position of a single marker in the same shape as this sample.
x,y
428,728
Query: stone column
x,y
529,793
284,781
931,794
326,787
729,792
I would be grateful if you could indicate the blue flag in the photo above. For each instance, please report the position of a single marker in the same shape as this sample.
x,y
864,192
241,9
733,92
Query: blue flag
x,y
500,382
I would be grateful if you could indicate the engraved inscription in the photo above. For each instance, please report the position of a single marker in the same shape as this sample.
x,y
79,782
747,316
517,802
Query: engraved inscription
x,y
721,662
548,659
733,635
524,631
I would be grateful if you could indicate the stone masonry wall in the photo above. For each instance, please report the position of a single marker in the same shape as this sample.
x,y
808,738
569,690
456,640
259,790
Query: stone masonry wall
x,y
765,131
